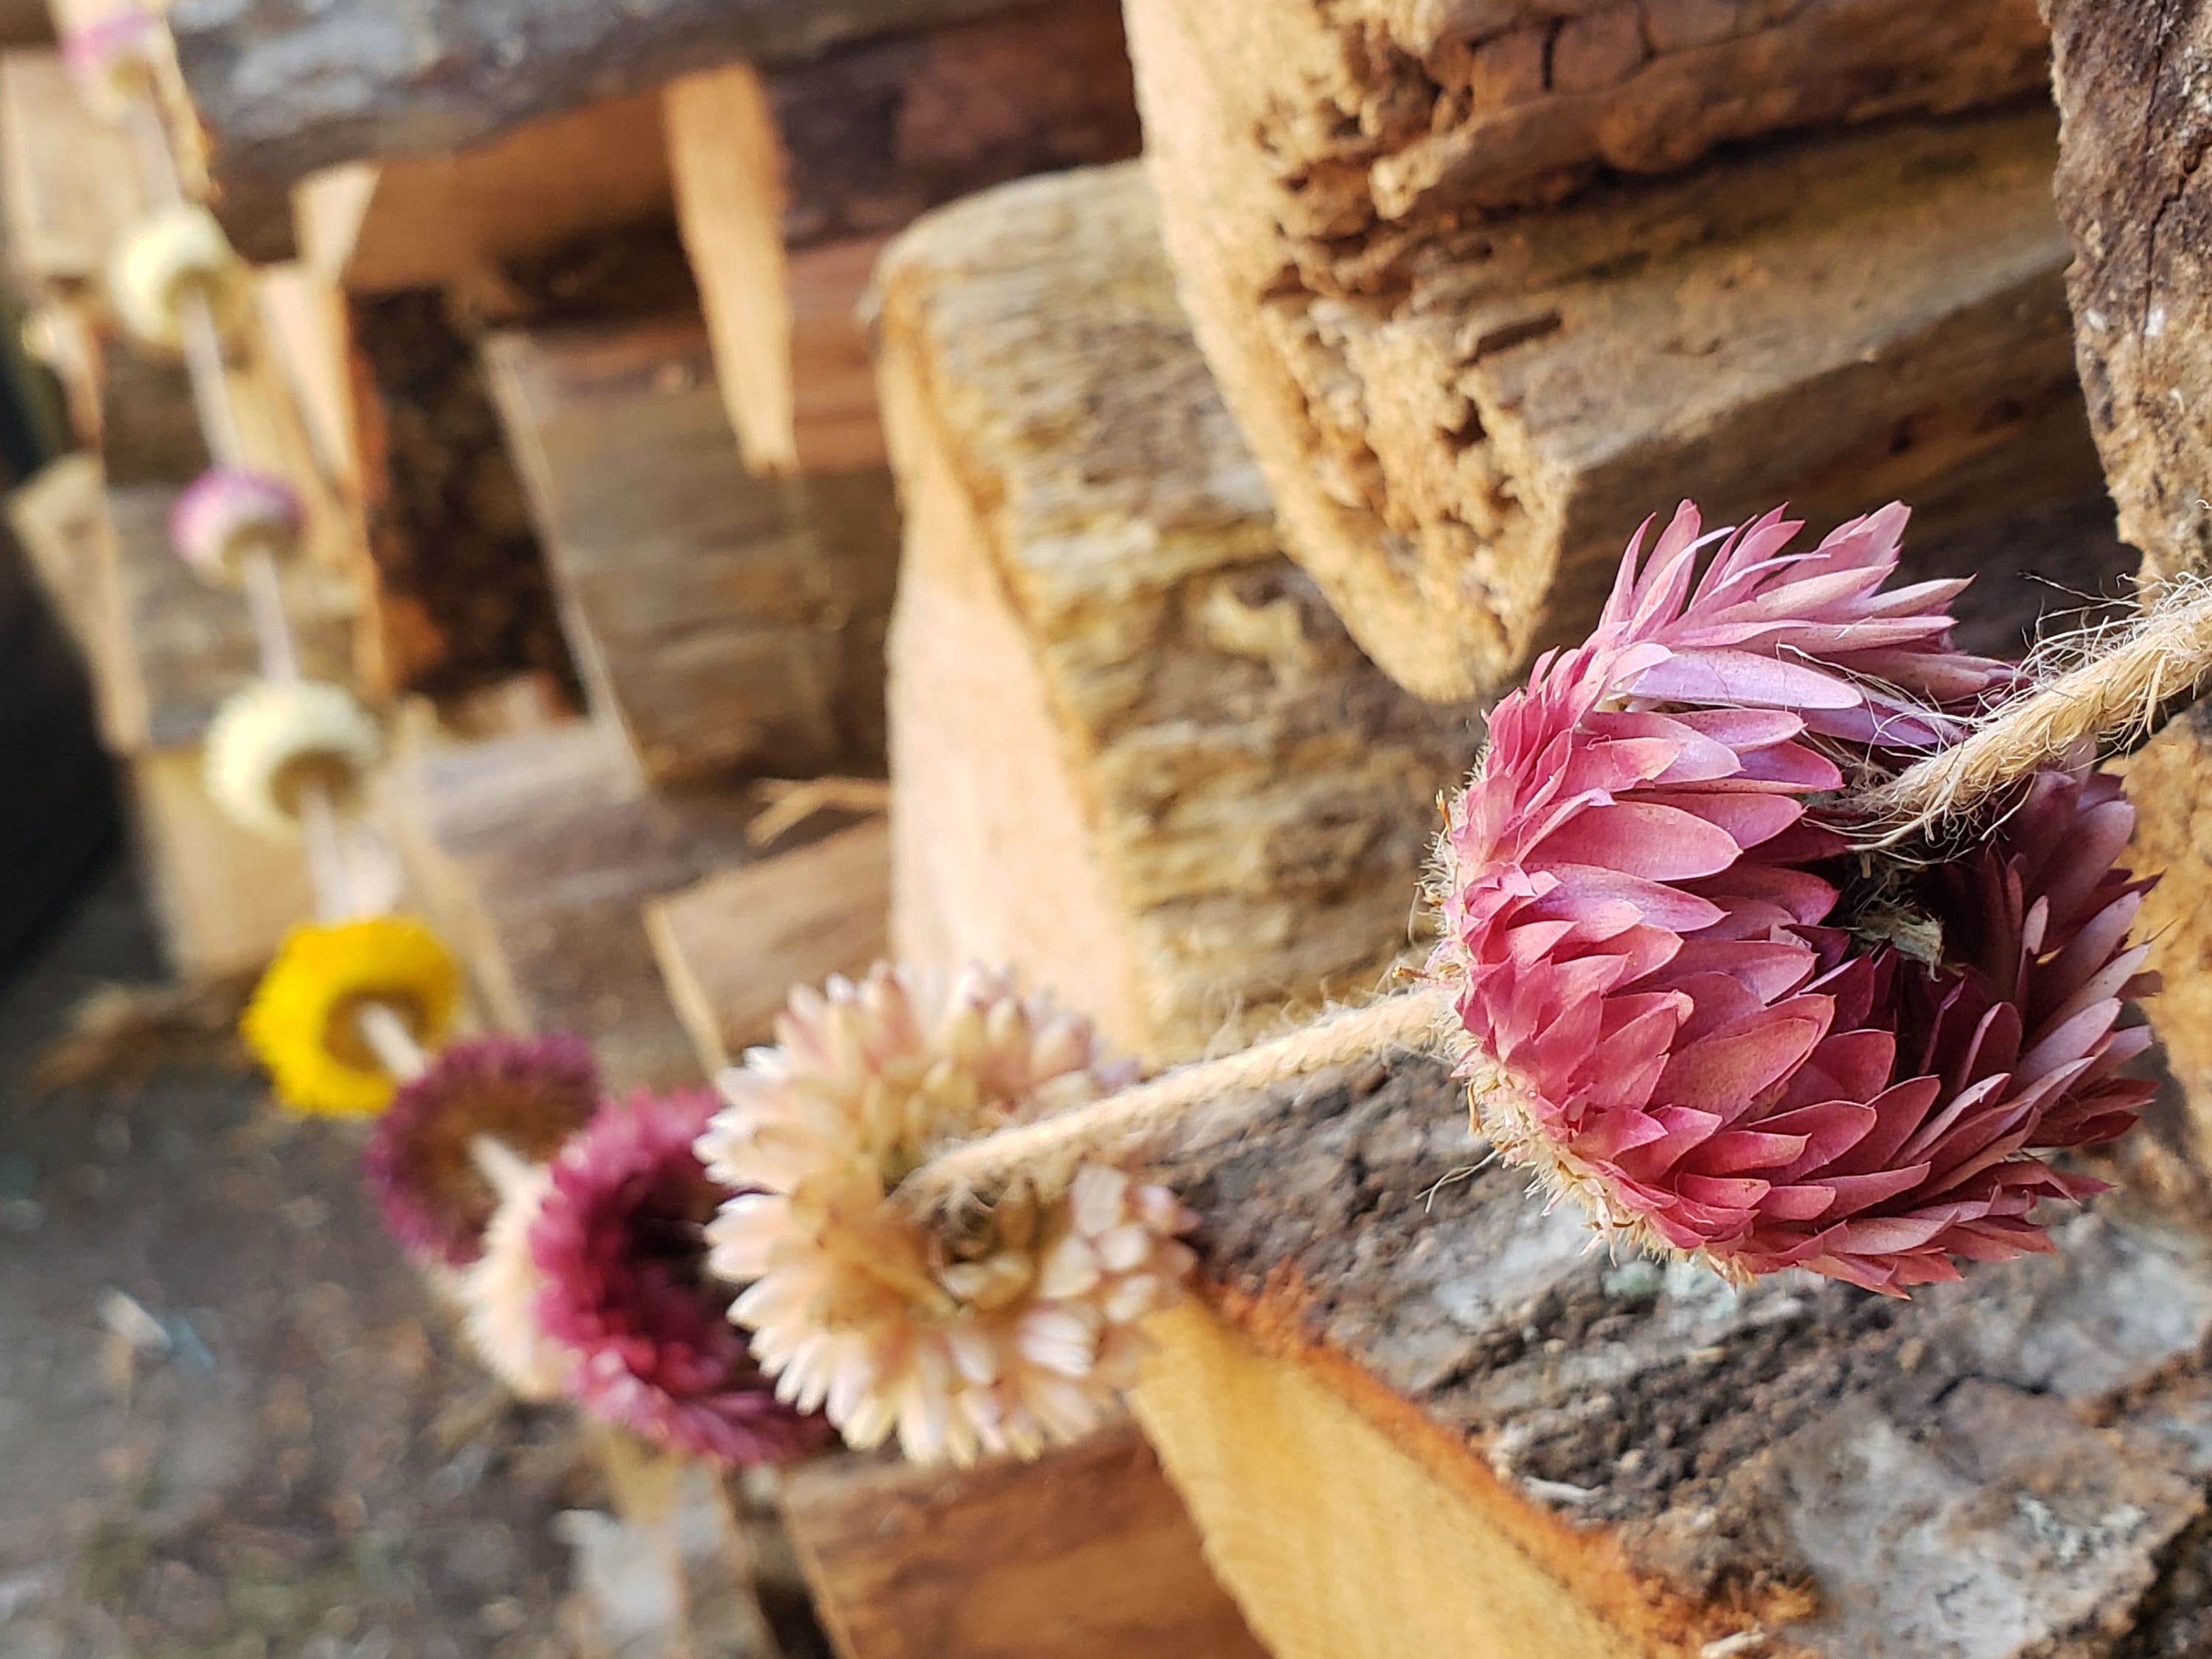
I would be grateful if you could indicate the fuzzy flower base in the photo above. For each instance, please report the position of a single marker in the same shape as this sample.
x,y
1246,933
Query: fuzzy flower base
x,y
620,1249
303,1022
529,1094
1727,1035
1014,1336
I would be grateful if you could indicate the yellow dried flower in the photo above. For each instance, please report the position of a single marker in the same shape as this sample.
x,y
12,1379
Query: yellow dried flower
x,y
301,1022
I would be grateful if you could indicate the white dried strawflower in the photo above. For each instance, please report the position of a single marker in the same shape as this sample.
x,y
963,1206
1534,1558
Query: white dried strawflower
x,y
272,742
170,255
501,1289
1014,1334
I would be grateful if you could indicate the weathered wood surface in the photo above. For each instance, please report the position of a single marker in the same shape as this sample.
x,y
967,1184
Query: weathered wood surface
x,y
224,896
1133,751
1462,420
1414,1413
721,621
534,857
1086,1551
732,949
2134,130
457,220
69,181
286,88
458,598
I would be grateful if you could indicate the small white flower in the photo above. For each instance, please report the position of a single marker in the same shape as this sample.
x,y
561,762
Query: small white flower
x,y
270,742
168,256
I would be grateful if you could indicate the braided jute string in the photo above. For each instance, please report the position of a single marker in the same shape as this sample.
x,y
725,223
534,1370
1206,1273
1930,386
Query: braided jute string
x,y
2115,695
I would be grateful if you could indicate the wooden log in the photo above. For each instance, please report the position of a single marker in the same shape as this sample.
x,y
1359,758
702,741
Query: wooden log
x,y
1132,749
534,857
732,948
69,181
283,89
2137,211
1086,1551
1412,1412
458,219
719,622
787,181
224,896
1462,420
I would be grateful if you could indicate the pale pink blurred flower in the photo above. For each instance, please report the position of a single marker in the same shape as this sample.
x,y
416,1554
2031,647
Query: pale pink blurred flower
x,y
227,514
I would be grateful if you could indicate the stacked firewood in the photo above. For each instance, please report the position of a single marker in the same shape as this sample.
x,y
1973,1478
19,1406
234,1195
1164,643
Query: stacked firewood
x,y
743,420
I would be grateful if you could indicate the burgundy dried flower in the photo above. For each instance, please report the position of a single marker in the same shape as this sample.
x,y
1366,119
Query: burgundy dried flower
x,y
1693,1009
530,1094
621,1241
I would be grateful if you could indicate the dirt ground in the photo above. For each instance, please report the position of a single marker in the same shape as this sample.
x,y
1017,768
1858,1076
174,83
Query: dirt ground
x,y
230,1423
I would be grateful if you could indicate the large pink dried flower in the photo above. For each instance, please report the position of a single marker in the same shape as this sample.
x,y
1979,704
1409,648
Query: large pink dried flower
x,y
1692,1008
621,1244
530,1094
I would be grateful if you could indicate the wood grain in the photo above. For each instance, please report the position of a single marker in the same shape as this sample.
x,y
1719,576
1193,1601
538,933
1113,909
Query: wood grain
x,y
1463,416
721,621
732,948
1086,1551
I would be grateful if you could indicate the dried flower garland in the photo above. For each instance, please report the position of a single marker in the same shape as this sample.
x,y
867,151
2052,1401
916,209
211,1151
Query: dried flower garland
x,y
230,515
275,740
303,1021
1012,1336
621,1253
171,256
528,1094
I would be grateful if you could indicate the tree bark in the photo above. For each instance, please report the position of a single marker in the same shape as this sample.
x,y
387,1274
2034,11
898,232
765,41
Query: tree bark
x,y
1462,417
1133,752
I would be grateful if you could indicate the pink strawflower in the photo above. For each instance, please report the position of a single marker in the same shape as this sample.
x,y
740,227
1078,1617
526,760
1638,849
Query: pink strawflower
x,y
530,1094
621,1244
1688,1005
229,513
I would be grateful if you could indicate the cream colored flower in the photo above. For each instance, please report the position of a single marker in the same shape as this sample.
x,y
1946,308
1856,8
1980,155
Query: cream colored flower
x,y
500,1289
271,741
1013,1335
167,257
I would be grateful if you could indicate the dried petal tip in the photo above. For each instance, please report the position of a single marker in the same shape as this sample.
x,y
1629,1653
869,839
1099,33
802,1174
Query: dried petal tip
x,y
1013,1336
229,516
1688,1008
619,1247
528,1094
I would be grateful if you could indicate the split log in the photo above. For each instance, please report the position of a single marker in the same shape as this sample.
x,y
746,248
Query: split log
x,y
459,599
1133,751
732,948
533,857
69,181
2140,215
224,896
1086,1551
787,181
457,221
1462,420
1413,1412
286,88
719,622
